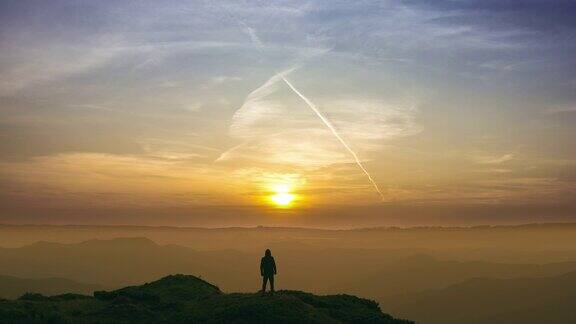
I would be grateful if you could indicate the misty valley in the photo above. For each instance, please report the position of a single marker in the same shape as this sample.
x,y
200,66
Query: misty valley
x,y
494,274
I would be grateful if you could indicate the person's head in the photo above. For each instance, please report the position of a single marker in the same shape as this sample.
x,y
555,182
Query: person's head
x,y
268,253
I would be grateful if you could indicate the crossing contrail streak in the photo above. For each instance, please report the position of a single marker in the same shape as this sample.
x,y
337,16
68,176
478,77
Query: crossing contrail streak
x,y
260,46
329,125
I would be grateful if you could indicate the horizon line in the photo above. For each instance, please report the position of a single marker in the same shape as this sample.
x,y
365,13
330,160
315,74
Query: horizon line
x,y
256,227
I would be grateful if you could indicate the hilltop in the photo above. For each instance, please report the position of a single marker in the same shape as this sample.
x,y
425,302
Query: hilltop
x,y
188,299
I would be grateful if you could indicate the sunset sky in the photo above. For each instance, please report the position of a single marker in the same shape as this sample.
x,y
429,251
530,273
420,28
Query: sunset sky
x,y
176,113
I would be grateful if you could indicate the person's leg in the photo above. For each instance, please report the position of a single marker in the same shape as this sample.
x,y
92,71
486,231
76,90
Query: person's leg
x,y
264,280
272,283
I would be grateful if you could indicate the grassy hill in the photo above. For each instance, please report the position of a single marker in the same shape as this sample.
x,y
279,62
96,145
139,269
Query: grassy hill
x,y
188,299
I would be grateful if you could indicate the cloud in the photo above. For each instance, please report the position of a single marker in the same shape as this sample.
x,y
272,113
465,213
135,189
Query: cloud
x,y
225,78
560,110
567,174
495,159
277,128
95,179
220,80
26,65
142,84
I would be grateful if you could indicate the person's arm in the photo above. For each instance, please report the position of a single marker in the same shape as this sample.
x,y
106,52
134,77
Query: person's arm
x,y
262,267
274,265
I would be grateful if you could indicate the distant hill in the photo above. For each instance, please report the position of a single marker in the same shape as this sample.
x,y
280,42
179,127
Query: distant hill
x,y
122,261
423,272
12,287
188,299
523,300
367,273
533,243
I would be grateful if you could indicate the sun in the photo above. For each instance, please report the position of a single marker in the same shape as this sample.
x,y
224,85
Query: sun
x,y
282,196
283,199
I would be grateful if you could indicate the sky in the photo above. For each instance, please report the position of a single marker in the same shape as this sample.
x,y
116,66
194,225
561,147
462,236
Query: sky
x,y
181,112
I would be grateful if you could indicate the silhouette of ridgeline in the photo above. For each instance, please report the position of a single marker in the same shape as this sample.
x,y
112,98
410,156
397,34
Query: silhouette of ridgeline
x,y
188,299
12,287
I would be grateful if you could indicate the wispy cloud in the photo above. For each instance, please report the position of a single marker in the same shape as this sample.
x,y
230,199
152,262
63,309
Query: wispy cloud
x,y
560,109
25,66
495,159
440,99
285,132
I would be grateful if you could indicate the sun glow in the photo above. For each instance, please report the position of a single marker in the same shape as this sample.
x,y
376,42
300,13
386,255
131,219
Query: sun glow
x,y
282,196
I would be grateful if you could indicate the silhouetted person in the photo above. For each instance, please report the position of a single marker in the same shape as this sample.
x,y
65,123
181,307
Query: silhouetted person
x,y
267,270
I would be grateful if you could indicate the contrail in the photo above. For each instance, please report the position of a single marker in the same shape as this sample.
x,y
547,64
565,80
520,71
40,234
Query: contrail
x,y
259,45
329,125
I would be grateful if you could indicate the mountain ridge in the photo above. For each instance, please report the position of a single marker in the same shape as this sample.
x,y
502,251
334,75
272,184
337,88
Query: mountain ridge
x,y
494,300
13,287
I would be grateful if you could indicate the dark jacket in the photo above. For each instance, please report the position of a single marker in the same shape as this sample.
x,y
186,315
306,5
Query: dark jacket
x,y
267,266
